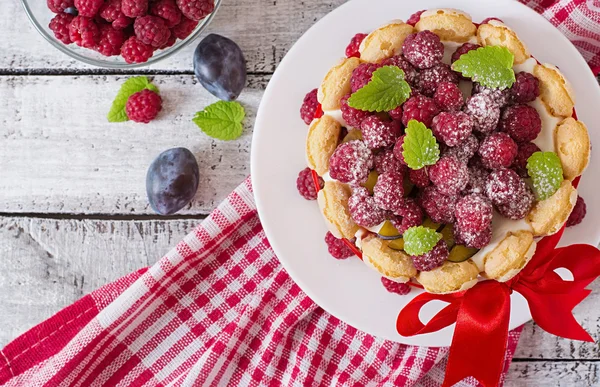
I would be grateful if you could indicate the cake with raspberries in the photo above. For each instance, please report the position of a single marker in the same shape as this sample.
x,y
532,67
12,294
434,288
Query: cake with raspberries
x,y
440,151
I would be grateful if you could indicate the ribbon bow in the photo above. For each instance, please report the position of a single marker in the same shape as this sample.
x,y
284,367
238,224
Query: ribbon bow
x,y
482,312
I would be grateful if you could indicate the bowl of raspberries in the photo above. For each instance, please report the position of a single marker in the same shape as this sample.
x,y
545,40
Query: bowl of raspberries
x,y
120,33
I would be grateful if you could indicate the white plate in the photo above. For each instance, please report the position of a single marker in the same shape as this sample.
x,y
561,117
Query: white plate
x,y
348,289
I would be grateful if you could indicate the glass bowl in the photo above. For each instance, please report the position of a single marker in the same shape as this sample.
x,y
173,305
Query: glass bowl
x,y
40,17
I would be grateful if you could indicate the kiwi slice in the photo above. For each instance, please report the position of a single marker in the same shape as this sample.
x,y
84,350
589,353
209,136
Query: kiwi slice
x,y
353,135
448,235
397,244
388,231
371,181
460,253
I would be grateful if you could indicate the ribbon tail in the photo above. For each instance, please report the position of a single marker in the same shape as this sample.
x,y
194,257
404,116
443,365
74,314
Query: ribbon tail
x,y
409,324
480,337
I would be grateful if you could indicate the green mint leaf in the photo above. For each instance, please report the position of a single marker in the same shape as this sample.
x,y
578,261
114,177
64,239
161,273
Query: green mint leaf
x,y
420,147
222,120
491,66
420,240
131,86
386,91
546,173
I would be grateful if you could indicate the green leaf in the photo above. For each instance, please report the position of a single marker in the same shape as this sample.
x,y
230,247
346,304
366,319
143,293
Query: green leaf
x,y
420,240
420,147
546,173
491,66
386,91
131,86
222,120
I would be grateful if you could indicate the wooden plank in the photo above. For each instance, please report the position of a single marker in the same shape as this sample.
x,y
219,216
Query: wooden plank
x,y
60,155
553,374
264,29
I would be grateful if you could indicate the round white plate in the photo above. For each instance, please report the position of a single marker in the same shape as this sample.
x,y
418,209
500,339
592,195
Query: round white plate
x,y
348,289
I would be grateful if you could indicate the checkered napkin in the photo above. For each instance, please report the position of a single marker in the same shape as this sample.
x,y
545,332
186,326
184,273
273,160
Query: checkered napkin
x,y
220,310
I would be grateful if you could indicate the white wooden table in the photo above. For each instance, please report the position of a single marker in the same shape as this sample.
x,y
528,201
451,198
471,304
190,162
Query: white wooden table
x,y
73,208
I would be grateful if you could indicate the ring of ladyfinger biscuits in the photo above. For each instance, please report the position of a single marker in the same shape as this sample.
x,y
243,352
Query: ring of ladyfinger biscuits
x,y
512,247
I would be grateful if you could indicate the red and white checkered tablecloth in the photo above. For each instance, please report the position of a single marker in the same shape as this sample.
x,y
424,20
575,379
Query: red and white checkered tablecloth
x,y
220,310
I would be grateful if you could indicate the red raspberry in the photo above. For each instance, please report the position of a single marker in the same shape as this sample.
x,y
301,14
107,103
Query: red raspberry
x,y
498,150
484,111
520,207
60,25
337,247
134,8
477,178
414,18
431,78
353,117
412,216
185,28
88,8
309,106
411,75
439,207
151,30
578,214
389,192
434,258
378,133
465,151
420,108
452,128
503,186
362,75
143,106
474,240
419,177
59,6
526,88
398,149
448,97
501,98
122,22
196,9
111,40
474,213
521,122
353,49
170,42
84,32
423,50
168,10
306,184
134,51
351,162
395,287
463,50
449,175
525,151
385,161
111,10
363,209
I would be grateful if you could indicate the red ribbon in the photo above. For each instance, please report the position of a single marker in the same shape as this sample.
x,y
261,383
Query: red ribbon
x,y
482,313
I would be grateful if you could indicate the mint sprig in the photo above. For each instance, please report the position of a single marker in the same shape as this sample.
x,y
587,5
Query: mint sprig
x,y
221,120
546,173
491,66
131,86
420,240
386,91
420,147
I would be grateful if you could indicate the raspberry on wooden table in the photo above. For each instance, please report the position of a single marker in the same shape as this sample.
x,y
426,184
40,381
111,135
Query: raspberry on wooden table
x,y
184,28
411,75
471,239
501,98
452,128
309,106
449,175
59,6
88,8
448,97
151,30
134,8
463,50
484,111
111,40
351,162
465,151
395,287
363,75
420,108
84,32
111,10
389,192
431,78
498,150
526,88
412,216
143,106
434,258
503,186
337,247
363,209
378,133
419,177
168,10
60,25
353,117
385,161
521,122
134,51
196,9
423,50
525,151
353,49
578,214
474,213
439,207
414,18
306,184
